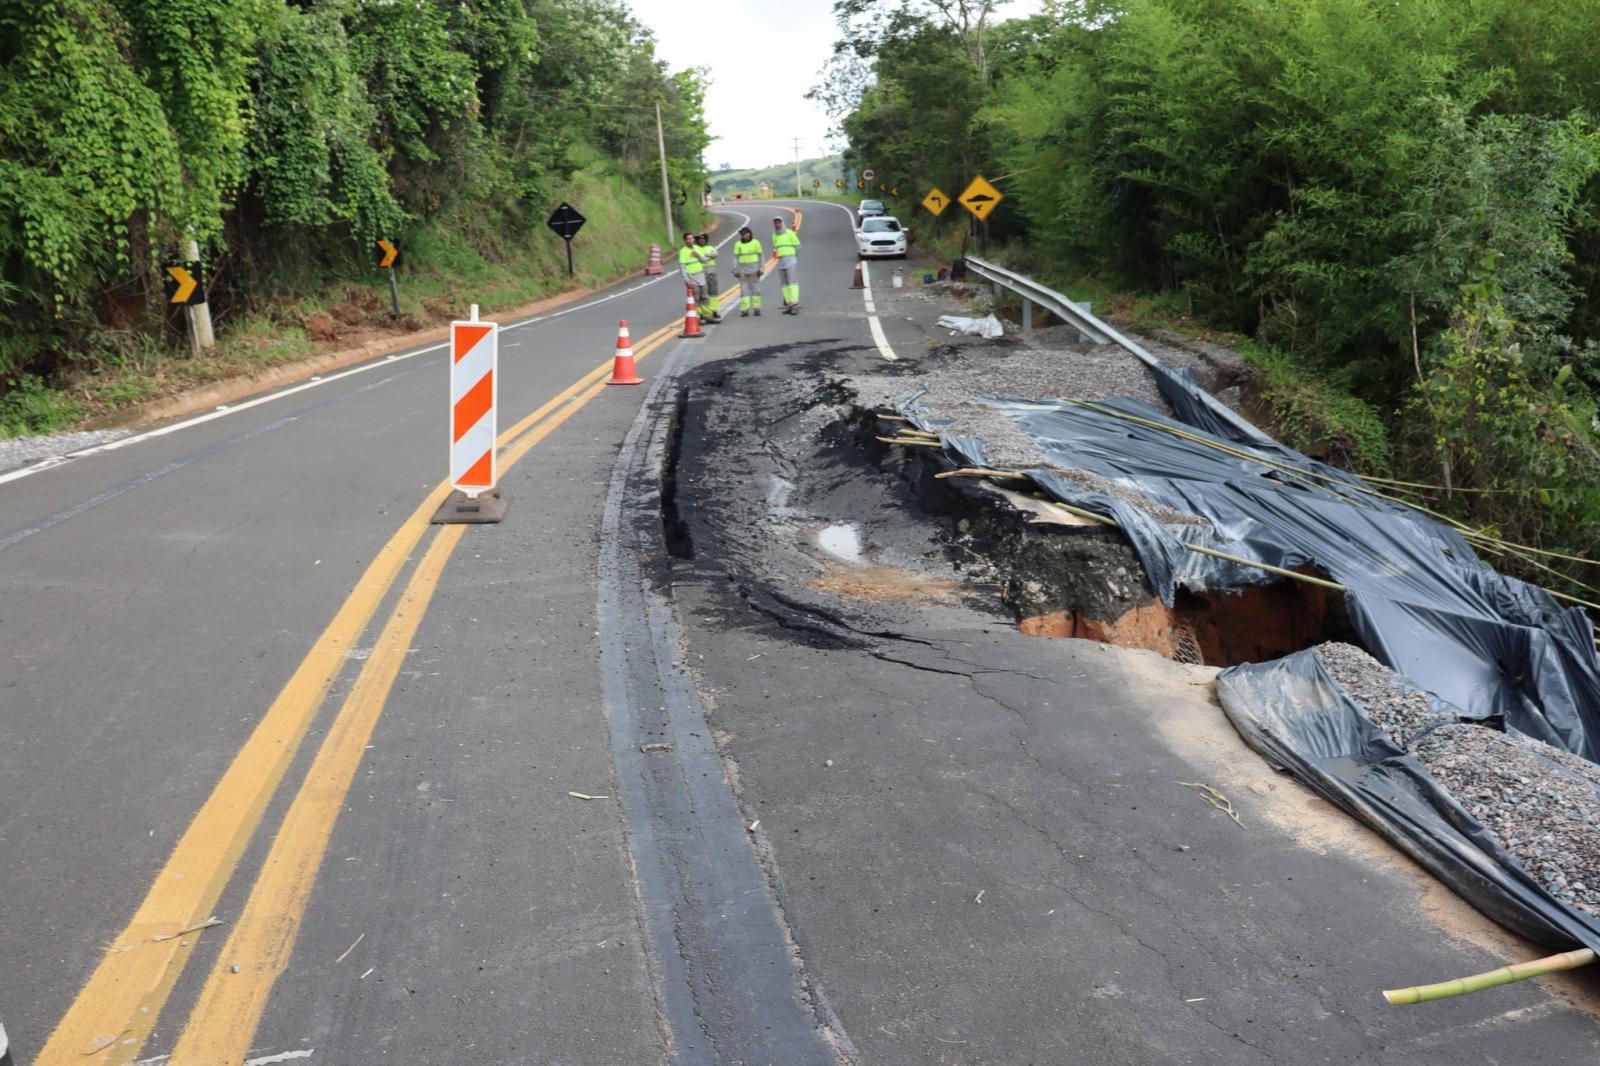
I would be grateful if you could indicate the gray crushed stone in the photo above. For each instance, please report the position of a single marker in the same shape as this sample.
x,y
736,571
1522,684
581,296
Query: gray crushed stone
x,y
1021,372
1540,803
19,451
1400,711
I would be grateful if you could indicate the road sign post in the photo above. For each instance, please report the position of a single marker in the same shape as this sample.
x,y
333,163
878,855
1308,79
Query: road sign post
x,y
184,287
386,255
565,221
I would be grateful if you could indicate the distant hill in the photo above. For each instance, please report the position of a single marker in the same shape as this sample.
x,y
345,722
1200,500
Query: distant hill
x,y
781,177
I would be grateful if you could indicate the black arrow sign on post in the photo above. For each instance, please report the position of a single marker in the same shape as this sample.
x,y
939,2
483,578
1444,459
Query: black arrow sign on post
x,y
566,222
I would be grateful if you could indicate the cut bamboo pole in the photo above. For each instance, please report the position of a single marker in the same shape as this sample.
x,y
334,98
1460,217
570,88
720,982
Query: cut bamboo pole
x,y
1567,960
910,440
1522,551
977,471
1295,574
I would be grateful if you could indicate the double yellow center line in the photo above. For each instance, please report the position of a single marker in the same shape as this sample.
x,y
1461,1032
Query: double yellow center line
x,y
114,1013
118,1007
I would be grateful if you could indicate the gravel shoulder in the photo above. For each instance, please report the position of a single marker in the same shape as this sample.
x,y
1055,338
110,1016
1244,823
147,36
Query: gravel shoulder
x,y
20,451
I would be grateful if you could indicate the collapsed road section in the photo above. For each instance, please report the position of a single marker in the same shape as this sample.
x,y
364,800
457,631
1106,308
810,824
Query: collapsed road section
x,y
814,499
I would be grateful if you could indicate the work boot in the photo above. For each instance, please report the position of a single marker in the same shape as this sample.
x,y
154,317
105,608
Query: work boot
x,y
758,312
744,314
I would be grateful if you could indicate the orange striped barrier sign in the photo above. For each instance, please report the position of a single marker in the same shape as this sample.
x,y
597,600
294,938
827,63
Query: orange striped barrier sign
x,y
474,355
474,359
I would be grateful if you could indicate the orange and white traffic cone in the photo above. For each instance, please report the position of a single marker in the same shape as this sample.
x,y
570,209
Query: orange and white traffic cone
x,y
691,318
857,283
653,264
623,372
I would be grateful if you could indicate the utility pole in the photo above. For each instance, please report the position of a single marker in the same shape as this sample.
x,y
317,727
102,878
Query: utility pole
x,y
797,192
666,196
199,314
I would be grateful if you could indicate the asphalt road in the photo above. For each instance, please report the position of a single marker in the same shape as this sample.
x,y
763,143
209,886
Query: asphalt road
x,y
183,627
541,793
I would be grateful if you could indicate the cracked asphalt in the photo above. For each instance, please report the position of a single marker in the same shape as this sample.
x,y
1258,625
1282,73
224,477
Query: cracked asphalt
x,y
981,839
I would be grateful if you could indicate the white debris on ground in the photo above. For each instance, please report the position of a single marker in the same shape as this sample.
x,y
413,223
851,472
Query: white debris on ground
x,y
18,451
988,327
1540,803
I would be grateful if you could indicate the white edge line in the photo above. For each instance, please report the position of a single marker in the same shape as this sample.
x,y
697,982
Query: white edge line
x,y
228,409
873,324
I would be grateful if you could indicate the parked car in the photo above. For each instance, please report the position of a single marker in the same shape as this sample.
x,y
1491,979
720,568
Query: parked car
x,y
881,235
5,1047
868,208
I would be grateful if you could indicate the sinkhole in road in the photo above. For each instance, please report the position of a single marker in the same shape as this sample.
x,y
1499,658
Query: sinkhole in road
x,y
1062,578
777,488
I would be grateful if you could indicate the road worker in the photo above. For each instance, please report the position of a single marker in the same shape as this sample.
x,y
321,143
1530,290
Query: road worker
x,y
747,256
786,246
708,252
692,264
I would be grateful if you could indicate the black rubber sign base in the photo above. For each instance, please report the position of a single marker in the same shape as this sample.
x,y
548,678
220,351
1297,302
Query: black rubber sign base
x,y
459,509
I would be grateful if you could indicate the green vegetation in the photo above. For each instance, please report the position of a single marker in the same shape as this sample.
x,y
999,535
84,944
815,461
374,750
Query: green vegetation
x,y
781,178
285,136
1398,206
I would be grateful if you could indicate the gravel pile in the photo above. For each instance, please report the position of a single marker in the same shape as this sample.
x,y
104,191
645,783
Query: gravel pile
x,y
1401,712
16,451
950,381
1540,803
1543,810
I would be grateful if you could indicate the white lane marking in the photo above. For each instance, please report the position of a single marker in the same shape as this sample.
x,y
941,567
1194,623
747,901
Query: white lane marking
x,y
223,410
210,416
873,324
880,340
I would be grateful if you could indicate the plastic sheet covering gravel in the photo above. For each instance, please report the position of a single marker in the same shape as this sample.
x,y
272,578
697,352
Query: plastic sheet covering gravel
x,y
1295,714
1418,596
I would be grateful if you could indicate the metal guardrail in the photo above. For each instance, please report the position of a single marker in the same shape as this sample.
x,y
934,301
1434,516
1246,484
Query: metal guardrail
x,y
1092,329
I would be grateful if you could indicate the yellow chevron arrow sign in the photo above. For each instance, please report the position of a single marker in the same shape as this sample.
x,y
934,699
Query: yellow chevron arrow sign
x,y
183,286
387,253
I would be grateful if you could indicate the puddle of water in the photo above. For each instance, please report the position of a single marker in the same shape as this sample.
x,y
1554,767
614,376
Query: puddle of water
x,y
842,541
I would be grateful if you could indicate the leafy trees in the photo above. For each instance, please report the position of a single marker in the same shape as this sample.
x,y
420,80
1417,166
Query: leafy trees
x,y
1403,199
286,134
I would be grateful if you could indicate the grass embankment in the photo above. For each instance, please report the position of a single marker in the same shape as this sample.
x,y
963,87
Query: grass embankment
x,y
307,307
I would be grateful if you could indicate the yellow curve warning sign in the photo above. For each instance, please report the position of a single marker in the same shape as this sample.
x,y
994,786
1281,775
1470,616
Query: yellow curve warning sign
x,y
936,201
980,197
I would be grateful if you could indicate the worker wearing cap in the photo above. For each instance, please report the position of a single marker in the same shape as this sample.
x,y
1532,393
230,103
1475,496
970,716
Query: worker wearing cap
x,y
747,258
692,264
786,246
708,253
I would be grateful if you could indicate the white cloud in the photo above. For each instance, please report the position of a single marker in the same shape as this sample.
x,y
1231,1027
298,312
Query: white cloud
x,y
763,56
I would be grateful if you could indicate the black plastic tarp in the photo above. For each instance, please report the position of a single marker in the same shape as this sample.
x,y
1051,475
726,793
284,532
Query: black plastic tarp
x,y
1297,715
1420,599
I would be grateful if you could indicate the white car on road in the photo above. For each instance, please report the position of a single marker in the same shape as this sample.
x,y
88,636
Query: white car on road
x,y
881,235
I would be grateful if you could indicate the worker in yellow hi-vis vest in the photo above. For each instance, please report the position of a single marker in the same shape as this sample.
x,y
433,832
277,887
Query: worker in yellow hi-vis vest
x,y
692,263
747,266
786,246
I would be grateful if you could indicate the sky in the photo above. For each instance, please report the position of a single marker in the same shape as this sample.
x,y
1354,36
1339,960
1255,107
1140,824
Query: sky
x,y
763,55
